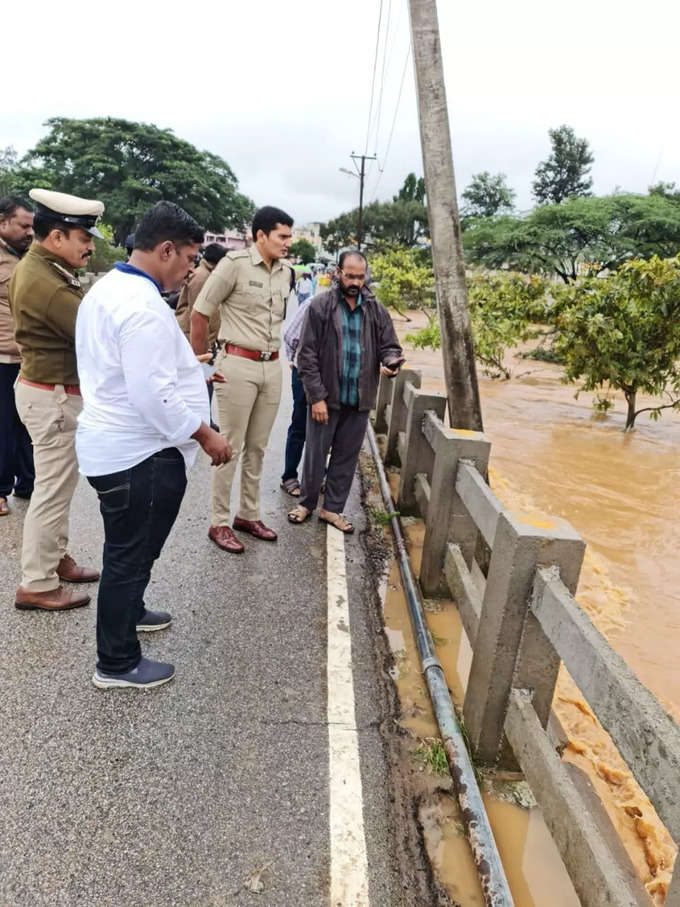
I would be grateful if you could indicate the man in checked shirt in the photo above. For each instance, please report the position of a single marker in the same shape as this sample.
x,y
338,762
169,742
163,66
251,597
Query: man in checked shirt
x,y
347,341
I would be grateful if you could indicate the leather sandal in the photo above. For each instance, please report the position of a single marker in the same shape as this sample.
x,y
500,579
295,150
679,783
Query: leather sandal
x,y
4,508
292,487
299,514
338,520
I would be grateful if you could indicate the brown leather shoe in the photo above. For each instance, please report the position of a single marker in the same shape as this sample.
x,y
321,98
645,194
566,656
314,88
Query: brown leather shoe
x,y
225,539
58,599
70,572
256,528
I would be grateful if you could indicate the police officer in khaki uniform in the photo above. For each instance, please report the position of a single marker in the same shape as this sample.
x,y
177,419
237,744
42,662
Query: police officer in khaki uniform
x,y
44,295
16,451
251,288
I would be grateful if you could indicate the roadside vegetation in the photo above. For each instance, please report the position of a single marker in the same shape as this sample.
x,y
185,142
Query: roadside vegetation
x,y
594,281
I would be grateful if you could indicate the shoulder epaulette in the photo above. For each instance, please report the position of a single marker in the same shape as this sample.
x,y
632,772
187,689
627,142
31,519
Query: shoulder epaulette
x,y
237,253
71,279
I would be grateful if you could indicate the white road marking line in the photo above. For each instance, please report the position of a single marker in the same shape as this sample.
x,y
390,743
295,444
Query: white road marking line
x,y
349,866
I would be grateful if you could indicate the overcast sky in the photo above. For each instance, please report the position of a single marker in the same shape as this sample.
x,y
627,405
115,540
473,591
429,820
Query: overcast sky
x,y
282,91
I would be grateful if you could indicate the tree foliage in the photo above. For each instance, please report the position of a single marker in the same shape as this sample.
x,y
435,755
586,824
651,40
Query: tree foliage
x,y
106,254
9,162
304,250
130,166
413,190
566,172
503,311
624,331
403,279
581,234
487,195
403,221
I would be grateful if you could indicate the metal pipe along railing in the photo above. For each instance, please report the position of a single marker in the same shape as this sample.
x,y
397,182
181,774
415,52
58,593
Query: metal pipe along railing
x,y
484,850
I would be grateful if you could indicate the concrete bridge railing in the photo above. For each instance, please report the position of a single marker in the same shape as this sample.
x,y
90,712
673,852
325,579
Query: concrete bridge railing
x,y
521,625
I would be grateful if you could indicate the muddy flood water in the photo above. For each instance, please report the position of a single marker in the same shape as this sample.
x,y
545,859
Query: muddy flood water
x,y
551,453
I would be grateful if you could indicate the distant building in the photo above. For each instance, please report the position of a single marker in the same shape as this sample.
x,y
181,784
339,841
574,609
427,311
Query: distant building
x,y
230,239
310,232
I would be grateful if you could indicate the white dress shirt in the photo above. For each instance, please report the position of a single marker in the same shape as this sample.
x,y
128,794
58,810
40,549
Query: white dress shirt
x,y
143,389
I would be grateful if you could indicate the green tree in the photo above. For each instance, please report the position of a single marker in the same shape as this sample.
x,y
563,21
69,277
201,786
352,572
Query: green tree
x,y
9,162
106,254
130,166
487,195
624,331
581,234
503,312
403,280
667,190
567,171
399,223
413,190
304,250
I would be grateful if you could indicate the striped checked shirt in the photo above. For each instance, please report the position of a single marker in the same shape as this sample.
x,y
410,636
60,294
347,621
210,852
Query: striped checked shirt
x,y
351,352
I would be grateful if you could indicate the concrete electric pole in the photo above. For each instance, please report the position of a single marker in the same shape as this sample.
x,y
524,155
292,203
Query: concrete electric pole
x,y
460,372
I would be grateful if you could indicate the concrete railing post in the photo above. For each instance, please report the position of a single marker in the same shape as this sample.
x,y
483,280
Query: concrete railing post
x,y
510,648
384,396
418,454
448,519
397,421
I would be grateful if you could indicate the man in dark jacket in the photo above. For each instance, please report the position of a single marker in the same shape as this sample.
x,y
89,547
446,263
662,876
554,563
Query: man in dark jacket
x,y
347,340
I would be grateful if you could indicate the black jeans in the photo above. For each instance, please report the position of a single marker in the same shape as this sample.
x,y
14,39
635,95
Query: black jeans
x,y
297,430
139,507
16,450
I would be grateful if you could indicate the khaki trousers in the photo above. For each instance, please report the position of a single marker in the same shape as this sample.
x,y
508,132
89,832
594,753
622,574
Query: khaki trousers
x,y
50,419
247,406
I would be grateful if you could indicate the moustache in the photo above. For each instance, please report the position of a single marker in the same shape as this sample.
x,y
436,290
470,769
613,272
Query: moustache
x,y
86,255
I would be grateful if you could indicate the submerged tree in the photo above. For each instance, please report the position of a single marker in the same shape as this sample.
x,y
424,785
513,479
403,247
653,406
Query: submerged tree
x,y
624,331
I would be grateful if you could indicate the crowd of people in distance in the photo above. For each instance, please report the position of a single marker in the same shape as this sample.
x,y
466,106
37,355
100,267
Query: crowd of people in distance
x,y
116,385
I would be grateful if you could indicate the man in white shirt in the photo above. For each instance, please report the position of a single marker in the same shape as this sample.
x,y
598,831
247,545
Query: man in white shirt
x,y
145,412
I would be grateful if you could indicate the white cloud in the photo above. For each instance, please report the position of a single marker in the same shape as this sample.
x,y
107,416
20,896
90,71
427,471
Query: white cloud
x,y
283,92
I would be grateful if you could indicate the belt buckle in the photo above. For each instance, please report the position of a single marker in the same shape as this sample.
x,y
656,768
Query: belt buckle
x,y
265,357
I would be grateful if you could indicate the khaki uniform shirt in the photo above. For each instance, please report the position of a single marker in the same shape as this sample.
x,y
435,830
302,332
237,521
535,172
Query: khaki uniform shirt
x,y
9,351
44,295
250,297
188,297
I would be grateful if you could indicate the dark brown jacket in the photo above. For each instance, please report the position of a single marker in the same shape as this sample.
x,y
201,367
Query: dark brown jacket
x,y
319,358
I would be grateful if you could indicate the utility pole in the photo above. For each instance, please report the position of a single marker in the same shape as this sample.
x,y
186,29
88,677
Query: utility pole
x,y
460,372
361,171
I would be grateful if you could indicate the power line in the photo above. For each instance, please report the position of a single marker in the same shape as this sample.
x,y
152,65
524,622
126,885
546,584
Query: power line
x,y
375,67
382,75
394,121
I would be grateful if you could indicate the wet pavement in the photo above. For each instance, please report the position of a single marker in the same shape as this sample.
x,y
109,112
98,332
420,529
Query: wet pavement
x,y
183,794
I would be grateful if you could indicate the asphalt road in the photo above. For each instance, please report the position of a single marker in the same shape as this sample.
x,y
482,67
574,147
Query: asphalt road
x,y
180,795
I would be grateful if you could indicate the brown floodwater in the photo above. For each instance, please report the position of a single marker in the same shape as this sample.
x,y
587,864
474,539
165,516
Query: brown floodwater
x,y
551,453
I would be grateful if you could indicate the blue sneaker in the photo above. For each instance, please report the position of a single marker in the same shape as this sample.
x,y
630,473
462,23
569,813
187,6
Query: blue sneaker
x,y
148,673
153,620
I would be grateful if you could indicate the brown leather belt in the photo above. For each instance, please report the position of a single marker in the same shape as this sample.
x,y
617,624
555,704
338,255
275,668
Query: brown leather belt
x,y
255,355
73,389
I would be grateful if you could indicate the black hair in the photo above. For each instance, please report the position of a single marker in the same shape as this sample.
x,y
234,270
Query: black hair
x,y
351,253
43,224
213,252
166,222
268,217
10,203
